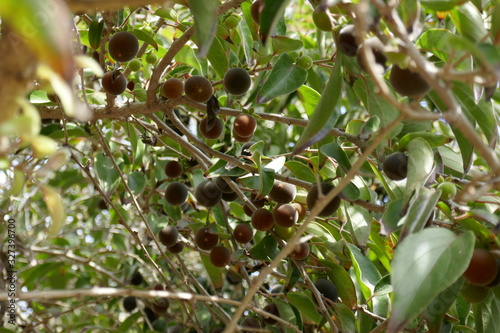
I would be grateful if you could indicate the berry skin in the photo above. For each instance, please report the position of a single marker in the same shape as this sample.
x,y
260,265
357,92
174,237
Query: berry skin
x,y
231,22
134,65
176,193
129,303
483,268
284,233
347,43
241,139
283,192
301,251
223,186
208,194
151,58
198,88
215,132
220,256
172,88
327,289
448,190
272,309
176,248
244,125
123,46
285,215
237,81
168,236
375,46
114,83
313,195
173,169
229,196
408,83
136,279
250,322
305,62
205,240
321,19
396,166
262,219
243,233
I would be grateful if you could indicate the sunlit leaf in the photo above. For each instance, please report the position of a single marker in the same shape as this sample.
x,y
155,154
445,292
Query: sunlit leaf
x,y
56,208
205,23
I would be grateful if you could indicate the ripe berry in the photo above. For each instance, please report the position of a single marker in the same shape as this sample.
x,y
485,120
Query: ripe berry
x,y
176,248
172,88
229,196
223,186
347,43
262,219
396,166
214,132
285,215
283,192
237,81
483,268
205,240
239,138
313,195
408,83
301,210
220,256
136,278
114,83
176,193
198,88
244,125
301,251
256,10
250,322
243,233
129,303
327,289
207,194
173,169
168,236
272,309
375,46
123,46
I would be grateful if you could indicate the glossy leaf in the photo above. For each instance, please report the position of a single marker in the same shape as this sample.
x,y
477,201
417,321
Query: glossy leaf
x,y
346,317
217,56
420,211
309,98
282,44
468,21
305,305
301,171
335,151
205,23
95,32
145,37
273,10
434,258
342,281
441,5
420,165
359,220
266,249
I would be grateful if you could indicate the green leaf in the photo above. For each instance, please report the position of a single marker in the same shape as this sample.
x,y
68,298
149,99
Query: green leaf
x,y
187,56
436,310
305,306
266,175
214,273
441,5
309,98
433,139
359,220
469,22
106,172
137,145
217,56
409,11
137,182
301,171
392,216
284,78
420,165
95,32
420,210
266,249
346,317
336,152
285,310
342,281
205,23
326,113
425,264
444,44
273,10
145,37
486,314
282,44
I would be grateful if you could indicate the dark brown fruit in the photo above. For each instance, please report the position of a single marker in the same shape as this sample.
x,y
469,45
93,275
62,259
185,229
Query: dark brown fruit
x,y
129,303
245,149
102,204
283,192
408,83
243,233
229,196
176,248
301,251
396,166
150,314
237,81
347,43
250,322
244,125
262,219
474,294
172,88
241,139
168,236
256,10
496,280
131,85
173,169
198,88
327,289
285,215
313,195
215,132
272,309
223,186
207,194
161,305
233,277
176,193
483,268
205,240
123,46
375,46
301,210
220,256
114,83
136,279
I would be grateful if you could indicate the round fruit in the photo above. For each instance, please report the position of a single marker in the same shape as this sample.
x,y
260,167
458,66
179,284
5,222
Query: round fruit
x,y
245,149
283,192
176,193
173,169
321,19
231,22
207,194
347,43
220,256
301,210
123,46
244,125
483,268
114,83
229,196
129,303
284,233
285,215
150,314
327,289
205,240
301,251
448,190
243,233
223,186
161,305
272,309
172,88
134,65
313,195
151,58
168,236
198,88
474,294
408,83
496,280
131,85
233,277
237,81
262,219
176,248
305,62
136,278
256,10
375,46
214,132
396,166
250,322
241,139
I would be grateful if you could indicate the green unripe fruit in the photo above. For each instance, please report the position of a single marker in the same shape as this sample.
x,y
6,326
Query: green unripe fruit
x,y
134,65
151,58
321,19
305,62
474,294
448,190
231,22
284,233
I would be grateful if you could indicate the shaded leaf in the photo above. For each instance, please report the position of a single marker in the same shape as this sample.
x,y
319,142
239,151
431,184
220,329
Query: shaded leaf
x,y
266,249
214,273
419,211
435,312
441,5
271,13
145,37
95,32
137,182
305,305
420,165
342,281
205,23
